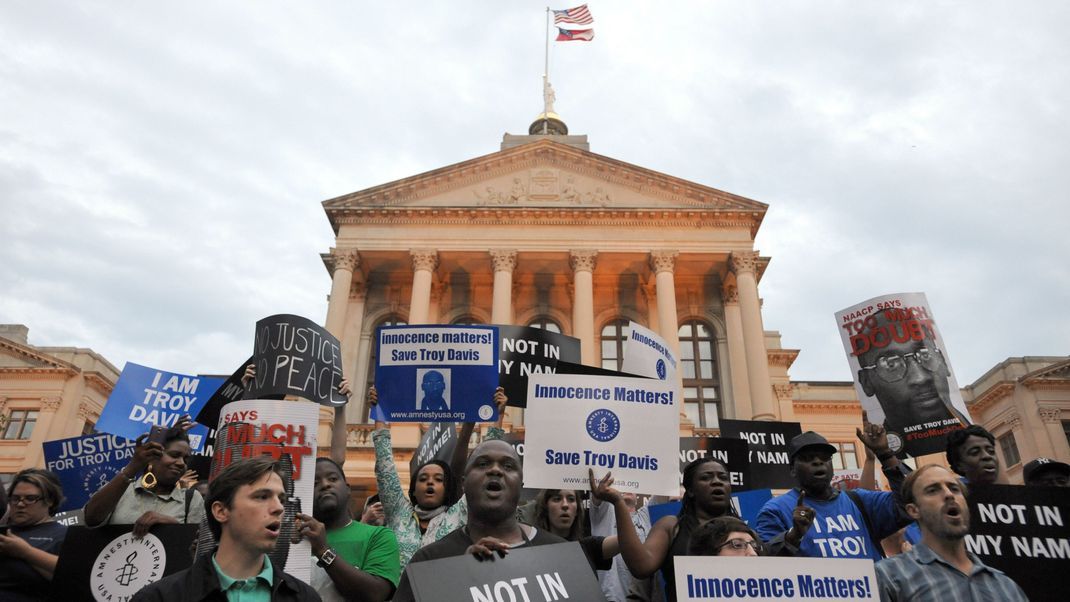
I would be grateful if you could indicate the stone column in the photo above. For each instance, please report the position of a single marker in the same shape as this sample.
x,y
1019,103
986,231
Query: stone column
x,y
502,305
650,293
345,261
737,353
582,263
662,264
1052,418
744,265
358,294
424,263
434,307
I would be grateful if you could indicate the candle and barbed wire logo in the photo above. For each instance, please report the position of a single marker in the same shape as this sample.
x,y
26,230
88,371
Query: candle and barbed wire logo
x,y
126,565
660,368
603,425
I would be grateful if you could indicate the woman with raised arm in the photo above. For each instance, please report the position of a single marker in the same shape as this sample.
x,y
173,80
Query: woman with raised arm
x,y
707,495
432,509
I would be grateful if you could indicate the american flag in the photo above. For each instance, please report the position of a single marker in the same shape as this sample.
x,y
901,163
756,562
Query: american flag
x,y
579,15
574,35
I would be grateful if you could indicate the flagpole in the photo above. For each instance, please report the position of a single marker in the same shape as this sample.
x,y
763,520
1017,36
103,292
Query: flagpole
x,y
546,71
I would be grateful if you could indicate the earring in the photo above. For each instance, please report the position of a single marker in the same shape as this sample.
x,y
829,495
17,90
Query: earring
x,y
148,480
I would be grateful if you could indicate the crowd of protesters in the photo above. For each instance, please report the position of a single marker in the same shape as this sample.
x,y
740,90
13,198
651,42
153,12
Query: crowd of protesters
x,y
471,506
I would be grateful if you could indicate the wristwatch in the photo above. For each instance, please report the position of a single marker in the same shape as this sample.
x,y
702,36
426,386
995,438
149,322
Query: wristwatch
x,y
326,558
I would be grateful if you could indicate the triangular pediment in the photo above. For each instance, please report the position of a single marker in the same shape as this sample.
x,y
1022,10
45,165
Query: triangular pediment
x,y
1057,371
16,355
544,175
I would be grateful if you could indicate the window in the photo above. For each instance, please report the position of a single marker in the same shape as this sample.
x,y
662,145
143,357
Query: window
x,y
698,365
388,321
20,424
846,456
613,336
89,428
545,323
1010,449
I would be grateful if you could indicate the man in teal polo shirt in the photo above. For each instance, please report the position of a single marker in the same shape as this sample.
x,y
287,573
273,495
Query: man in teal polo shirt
x,y
244,511
354,561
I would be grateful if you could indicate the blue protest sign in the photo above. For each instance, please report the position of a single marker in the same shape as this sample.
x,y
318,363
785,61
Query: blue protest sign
x,y
85,464
145,397
436,373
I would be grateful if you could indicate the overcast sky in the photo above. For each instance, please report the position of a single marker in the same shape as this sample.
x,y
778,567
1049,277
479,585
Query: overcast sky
x,y
162,167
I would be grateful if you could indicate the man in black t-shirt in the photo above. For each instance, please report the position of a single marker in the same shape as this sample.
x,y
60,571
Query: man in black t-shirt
x,y
492,482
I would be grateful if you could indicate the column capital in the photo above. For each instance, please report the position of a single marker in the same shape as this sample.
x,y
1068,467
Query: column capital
x,y
50,404
84,411
784,392
1050,414
424,259
504,259
729,293
743,262
663,261
346,259
582,260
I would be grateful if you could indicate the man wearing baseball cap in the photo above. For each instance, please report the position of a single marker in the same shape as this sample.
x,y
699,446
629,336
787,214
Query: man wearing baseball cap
x,y
816,520
1045,472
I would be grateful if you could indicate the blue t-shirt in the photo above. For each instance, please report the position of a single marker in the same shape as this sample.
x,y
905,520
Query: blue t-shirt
x,y
838,530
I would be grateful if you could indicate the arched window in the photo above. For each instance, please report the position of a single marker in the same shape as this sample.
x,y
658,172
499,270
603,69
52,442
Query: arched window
x,y
392,320
698,361
545,323
614,335
466,320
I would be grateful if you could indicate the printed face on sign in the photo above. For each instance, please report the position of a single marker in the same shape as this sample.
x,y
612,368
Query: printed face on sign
x,y
434,393
901,365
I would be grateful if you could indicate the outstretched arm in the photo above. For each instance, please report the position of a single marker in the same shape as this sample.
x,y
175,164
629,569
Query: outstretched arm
x,y
642,558
338,427
460,452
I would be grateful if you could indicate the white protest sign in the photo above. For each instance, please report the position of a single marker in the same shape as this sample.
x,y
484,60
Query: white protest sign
x,y
647,354
606,423
770,578
281,429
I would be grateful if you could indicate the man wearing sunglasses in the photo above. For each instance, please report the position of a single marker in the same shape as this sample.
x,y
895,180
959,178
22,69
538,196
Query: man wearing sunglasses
x,y
909,377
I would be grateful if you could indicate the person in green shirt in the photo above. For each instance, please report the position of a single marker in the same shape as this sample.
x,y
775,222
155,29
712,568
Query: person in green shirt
x,y
354,561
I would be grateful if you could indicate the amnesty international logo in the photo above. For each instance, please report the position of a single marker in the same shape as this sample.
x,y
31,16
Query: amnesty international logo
x,y
603,425
98,476
660,367
126,565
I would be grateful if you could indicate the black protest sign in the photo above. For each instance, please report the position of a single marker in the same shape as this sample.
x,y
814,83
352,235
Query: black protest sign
x,y
230,390
770,467
526,350
437,443
1024,532
533,574
109,563
731,453
296,356
517,441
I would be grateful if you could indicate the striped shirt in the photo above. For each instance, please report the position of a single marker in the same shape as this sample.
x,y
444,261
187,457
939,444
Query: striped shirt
x,y
921,574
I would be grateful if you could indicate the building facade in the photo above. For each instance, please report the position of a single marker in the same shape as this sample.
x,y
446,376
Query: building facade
x,y
46,393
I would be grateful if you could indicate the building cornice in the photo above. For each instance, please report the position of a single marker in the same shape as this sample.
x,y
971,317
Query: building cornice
x,y
991,396
544,153
782,357
40,373
32,354
825,406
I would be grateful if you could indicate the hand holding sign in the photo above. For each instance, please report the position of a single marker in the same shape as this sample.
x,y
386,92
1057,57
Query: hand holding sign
x,y
485,548
603,490
306,527
801,517
874,437
150,518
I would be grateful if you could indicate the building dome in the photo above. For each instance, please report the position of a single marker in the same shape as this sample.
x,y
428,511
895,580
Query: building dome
x,y
548,123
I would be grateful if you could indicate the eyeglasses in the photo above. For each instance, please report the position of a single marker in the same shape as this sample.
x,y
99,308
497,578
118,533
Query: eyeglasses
x,y
892,368
741,544
28,500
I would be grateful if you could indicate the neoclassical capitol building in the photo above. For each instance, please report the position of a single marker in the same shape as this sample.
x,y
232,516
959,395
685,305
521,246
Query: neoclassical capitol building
x,y
545,233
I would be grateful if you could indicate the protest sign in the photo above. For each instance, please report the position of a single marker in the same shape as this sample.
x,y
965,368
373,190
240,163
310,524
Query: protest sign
x,y
620,424
109,563
437,443
85,464
230,390
772,578
1024,532
296,356
846,479
436,373
902,371
532,574
526,350
564,367
70,518
145,397
285,430
647,354
747,505
517,441
731,453
768,450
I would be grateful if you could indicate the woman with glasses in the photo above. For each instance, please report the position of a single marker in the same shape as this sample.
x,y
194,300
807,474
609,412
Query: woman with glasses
x,y
707,496
30,540
725,536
